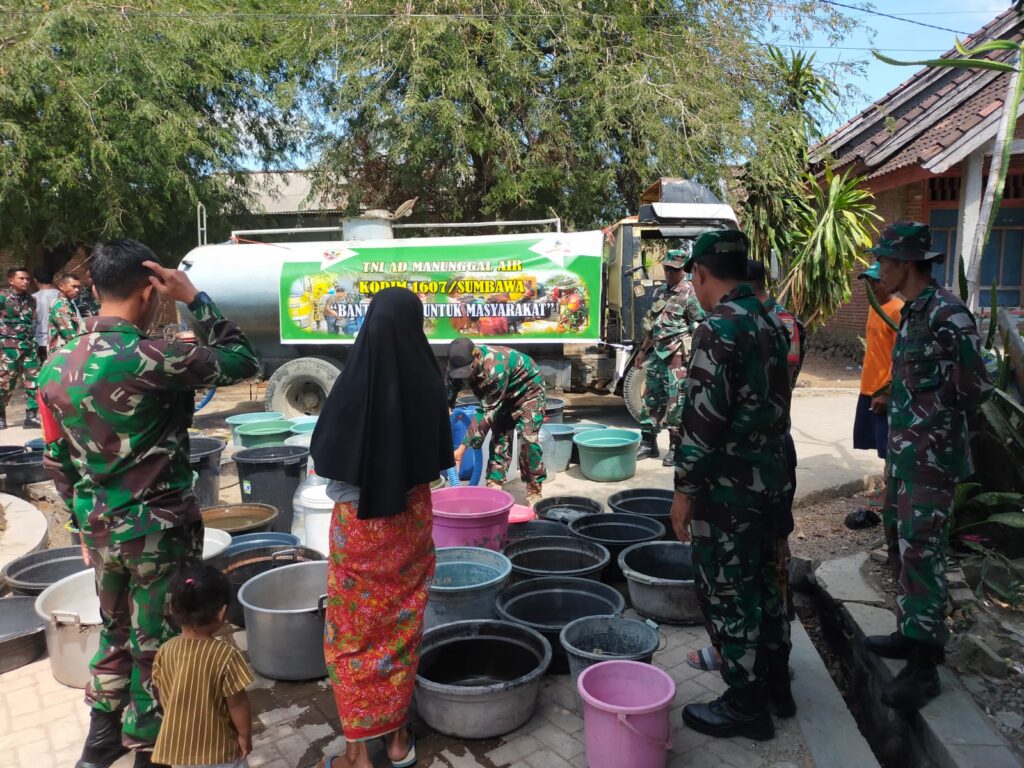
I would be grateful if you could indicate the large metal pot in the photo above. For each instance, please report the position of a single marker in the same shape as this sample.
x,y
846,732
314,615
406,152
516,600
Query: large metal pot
x,y
71,610
240,566
660,576
480,679
284,620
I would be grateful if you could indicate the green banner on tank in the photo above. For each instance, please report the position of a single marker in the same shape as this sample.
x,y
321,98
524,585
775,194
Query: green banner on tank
x,y
540,288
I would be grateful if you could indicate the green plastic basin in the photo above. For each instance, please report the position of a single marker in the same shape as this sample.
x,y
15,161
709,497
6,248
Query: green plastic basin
x,y
607,455
234,422
263,433
303,428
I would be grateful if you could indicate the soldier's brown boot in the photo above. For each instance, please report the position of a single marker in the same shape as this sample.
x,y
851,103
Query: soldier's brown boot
x,y
918,683
103,744
737,712
648,448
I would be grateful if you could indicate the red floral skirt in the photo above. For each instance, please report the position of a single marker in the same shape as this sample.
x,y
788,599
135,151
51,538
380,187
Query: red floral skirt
x,y
378,579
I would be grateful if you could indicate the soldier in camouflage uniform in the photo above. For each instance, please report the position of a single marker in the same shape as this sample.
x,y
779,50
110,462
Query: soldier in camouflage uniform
x,y
671,321
938,377
20,354
511,392
731,479
86,301
117,408
65,322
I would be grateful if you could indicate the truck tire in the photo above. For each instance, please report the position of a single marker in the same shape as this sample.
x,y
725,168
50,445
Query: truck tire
x,y
633,391
300,387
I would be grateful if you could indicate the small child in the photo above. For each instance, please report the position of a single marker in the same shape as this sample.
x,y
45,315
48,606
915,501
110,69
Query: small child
x,y
200,680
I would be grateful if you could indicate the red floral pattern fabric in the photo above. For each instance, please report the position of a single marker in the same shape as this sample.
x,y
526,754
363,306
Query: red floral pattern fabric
x,y
378,582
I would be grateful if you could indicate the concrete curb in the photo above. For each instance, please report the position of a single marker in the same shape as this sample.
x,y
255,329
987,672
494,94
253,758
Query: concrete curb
x,y
26,530
866,483
951,732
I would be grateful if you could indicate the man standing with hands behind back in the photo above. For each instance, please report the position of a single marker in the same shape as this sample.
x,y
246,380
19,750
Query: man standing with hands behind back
x,y
117,408
20,354
731,479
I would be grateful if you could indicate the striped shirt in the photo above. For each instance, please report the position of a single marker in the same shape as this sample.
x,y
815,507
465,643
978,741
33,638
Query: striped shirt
x,y
193,678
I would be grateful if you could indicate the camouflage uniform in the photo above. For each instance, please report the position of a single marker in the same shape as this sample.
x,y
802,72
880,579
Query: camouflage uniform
x,y
86,302
673,317
20,354
511,392
120,459
938,377
731,461
65,323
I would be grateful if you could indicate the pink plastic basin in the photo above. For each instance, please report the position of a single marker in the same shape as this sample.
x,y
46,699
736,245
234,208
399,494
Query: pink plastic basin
x,y
466,516
626,714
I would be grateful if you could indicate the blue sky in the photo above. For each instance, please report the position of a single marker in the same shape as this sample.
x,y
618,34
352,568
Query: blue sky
x,y
902,40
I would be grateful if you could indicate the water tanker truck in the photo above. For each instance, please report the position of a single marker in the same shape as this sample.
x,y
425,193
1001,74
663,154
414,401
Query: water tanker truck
x,y
574,301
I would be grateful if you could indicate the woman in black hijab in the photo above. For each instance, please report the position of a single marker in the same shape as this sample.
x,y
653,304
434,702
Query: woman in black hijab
x,y
383,436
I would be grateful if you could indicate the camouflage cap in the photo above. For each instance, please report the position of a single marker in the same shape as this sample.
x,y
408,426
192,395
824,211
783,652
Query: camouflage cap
x,y
728,242
907,241
675,259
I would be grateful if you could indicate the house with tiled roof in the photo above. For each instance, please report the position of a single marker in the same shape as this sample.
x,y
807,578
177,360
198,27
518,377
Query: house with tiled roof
x,y
925,149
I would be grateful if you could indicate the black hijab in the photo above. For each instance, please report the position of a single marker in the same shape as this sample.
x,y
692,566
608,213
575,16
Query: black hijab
x,y
385,426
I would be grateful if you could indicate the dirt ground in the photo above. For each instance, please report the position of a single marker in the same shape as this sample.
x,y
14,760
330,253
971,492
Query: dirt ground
x,y
829,374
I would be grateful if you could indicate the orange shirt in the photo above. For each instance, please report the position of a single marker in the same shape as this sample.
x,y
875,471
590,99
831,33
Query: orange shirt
x,y
880,340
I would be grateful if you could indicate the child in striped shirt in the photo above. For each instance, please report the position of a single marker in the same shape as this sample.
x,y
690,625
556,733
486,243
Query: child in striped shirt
x,y
201,680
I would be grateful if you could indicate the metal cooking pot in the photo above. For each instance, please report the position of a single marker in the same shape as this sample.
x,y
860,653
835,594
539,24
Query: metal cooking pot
x,y
284,620
71,610
660,577
240,566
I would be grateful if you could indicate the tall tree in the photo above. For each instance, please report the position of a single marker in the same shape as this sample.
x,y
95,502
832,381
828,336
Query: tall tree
x,y
516,108
119,119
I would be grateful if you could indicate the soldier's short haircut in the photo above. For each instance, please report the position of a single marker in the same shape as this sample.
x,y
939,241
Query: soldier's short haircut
x,y
15,270
117,267
757,275
923,267
43,275
67,278
725,266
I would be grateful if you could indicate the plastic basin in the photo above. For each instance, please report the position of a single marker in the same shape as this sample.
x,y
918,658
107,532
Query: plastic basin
x,y
215,542
263,433
562,435
660,576
564,555
565,509
607,455
249,418
303,428
471,517
616,531
554,407
240,518
655,503
466,582
584,426
594,639
204,458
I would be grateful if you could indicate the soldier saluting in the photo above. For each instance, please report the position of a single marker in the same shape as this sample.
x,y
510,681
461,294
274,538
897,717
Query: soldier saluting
x,y
672,319
938,376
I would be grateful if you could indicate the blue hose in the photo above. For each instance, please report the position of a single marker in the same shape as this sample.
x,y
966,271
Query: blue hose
x,y
453,478
463,417
206,399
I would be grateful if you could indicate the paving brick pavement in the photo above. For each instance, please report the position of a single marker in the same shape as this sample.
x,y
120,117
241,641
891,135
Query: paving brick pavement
x,y
42,725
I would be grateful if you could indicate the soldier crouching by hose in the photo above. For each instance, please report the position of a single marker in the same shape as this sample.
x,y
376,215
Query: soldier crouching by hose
x,y
671,321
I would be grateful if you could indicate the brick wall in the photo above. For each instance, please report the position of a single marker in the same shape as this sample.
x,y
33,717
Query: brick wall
x,y
901,203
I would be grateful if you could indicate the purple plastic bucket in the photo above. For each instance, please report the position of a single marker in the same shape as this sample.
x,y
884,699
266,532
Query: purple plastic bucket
x,y
626,714
467,516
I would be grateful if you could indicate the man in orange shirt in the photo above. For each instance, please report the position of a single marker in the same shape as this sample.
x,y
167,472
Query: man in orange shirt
x,y
871,424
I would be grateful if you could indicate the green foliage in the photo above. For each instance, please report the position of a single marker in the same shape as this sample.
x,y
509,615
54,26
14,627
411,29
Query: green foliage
x,y
961,277
877,308
533,106
115,121
993,320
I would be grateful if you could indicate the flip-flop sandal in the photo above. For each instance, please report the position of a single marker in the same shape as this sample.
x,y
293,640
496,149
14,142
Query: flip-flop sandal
x,y
706,661
410,757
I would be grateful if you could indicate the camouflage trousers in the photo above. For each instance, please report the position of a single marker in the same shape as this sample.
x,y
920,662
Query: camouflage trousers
x,y
916,521
132,579
526,421
663,393
735,556
19,363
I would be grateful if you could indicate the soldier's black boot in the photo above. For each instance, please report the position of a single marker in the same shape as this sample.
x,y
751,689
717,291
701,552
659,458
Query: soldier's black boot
x,y
103,744
780,691
648,448
670,457
144,759
32,420
3,417
918,683
737,712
